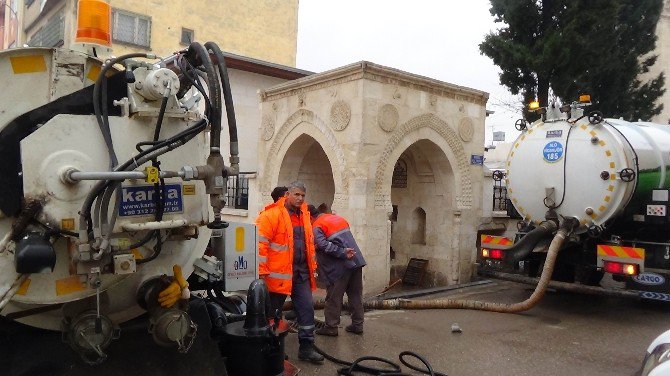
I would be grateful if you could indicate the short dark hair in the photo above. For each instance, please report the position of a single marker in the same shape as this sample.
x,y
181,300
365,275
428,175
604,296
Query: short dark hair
x,y
313,211
278,192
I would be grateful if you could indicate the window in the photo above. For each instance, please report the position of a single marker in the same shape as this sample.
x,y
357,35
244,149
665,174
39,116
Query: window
x,y
187,36
51,34
399,179
237,191
131,28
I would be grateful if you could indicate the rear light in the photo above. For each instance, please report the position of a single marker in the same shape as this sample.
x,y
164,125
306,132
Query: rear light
x,y
621,268
492,253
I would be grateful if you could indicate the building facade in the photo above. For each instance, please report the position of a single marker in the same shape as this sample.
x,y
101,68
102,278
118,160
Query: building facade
x,y
10,24
395,153
261,29
663,61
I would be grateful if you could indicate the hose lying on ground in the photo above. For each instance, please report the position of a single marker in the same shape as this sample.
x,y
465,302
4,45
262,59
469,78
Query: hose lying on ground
x,y
394,369
564,231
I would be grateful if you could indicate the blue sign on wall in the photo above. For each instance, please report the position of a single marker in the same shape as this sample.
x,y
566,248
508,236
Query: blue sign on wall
x,y
477,160
139,200
553,151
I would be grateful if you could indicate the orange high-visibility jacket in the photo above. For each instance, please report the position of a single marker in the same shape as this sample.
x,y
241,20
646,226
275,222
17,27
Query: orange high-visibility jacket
x,y
275,247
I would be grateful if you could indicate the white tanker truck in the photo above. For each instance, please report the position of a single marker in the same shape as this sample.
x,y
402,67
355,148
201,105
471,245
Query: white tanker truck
x,y
612,177
111,187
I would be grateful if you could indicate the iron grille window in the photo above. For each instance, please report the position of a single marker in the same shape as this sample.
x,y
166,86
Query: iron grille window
x,y
499,198
499,191
131,28
399,179
187,36
237,191
51,34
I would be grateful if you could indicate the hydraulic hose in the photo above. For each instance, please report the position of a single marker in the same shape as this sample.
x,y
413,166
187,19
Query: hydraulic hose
x,y
202,56
228,101
566,228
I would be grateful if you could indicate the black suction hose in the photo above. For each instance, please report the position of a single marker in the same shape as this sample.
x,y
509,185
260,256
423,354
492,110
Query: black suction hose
x,y
525,245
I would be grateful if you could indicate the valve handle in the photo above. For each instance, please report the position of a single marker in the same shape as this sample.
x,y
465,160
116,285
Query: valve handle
x,y
596,117
520,125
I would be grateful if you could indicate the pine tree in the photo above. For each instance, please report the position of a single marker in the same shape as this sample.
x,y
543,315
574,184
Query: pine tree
x,y
568,47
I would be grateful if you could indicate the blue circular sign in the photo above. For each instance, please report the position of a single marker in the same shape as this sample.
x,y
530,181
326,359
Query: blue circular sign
x,y
553,151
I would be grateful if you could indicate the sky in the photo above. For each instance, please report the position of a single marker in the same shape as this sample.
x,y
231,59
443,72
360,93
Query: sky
x,y
434,38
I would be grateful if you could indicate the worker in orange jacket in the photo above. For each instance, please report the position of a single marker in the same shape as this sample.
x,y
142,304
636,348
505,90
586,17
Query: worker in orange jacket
x,y
287,261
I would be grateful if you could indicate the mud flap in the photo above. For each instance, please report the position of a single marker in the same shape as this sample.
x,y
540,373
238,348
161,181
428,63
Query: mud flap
x,y
655,286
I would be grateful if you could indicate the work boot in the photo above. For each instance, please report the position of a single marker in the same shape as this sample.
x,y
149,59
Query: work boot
x,y
307,352
327,331
353,329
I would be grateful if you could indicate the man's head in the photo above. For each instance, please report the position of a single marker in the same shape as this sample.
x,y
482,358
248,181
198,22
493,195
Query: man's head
x,y
278,193
295,195
313,212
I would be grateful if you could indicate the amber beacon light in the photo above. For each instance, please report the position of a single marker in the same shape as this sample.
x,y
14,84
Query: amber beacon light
x,y
93,24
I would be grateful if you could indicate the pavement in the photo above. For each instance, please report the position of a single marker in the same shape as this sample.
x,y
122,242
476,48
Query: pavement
x,y
566,334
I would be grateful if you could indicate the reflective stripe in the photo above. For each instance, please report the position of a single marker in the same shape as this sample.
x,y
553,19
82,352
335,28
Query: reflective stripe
x,y
280,276
262,238
306,327
331,237
278,247
262,259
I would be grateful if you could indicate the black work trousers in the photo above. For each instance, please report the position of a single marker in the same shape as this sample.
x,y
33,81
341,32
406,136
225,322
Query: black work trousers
x,y
351,283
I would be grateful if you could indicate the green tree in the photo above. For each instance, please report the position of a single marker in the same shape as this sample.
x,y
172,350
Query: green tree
x,y
566,47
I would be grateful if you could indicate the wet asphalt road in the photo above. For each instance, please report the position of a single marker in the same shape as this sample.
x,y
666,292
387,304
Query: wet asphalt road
x,y
566,334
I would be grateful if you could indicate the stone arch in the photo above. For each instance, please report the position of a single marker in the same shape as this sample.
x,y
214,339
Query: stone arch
x,y
409,133
306,122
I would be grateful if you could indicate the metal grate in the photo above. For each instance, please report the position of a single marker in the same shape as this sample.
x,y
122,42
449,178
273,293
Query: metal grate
x,y
499,191
499,198
51,34
237,191
416,269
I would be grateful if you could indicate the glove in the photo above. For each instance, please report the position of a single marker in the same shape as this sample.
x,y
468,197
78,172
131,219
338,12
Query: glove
x,y
177,290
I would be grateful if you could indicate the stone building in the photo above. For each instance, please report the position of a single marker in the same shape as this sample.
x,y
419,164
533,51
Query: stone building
x,y
396,153
663,61
260,29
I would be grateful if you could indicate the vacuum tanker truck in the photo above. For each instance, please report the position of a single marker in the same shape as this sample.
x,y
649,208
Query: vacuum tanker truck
x,y
112,183
612,176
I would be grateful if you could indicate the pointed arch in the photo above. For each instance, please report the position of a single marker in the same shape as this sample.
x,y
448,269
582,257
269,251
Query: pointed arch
x,y
431,127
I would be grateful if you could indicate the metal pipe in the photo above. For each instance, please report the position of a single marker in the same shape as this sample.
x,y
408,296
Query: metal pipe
x,y
12,291
76,176
572,287
154,225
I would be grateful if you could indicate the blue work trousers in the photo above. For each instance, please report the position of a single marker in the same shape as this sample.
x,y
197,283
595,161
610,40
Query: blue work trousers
x,y
303,305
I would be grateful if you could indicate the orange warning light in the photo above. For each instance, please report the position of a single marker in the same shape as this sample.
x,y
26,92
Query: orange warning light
x,y
93,23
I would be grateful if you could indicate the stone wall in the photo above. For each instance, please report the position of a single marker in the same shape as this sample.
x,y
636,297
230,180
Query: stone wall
x,y
364,117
